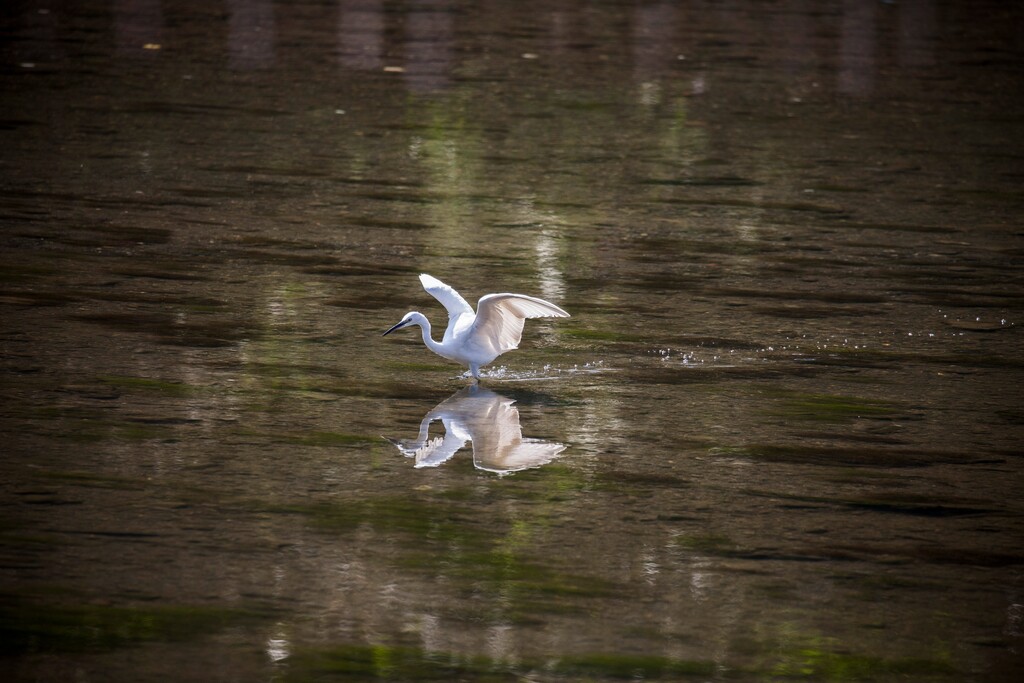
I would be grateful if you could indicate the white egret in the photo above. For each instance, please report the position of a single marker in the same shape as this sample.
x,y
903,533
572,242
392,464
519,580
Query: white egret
x,y
476,339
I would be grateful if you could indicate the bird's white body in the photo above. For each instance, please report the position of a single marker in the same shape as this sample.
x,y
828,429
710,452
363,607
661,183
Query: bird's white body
x,y
476,338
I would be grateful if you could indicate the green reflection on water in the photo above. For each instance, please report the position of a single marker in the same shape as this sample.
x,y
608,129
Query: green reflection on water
x,y
797,656
28,626
381,662
498,556
831,408
632,667
806,658
359,662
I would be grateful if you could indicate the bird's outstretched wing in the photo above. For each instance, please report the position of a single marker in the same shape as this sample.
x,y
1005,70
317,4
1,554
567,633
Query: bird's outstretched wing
x,y
449,298
439,450
500,317
499,445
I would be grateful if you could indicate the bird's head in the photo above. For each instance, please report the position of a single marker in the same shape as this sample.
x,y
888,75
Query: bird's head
x,y
410,318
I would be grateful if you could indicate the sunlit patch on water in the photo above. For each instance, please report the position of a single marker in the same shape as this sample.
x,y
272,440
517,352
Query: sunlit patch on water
x,y
278,648
708,358
920,344
689,357
546,373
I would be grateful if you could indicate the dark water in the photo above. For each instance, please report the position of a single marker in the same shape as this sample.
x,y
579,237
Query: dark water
x,y
779,439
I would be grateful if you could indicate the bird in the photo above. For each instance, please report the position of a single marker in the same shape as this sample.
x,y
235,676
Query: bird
x,y
476,338
490,422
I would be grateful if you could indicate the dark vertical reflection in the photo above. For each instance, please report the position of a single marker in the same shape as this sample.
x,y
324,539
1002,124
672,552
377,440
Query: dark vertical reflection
x,y
857,35
653,47
795,39
361,33
558,29
42,43
138,25
428,45
251,34
917,33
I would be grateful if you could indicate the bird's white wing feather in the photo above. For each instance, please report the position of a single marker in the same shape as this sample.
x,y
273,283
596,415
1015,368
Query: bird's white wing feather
x,y
500,317
498,443
438,450
453,302
449,298
526,454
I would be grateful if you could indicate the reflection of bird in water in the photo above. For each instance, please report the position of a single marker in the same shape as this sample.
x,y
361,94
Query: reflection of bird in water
x,y
490,422
476,339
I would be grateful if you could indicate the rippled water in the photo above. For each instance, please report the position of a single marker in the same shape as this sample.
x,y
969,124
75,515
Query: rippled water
x,y
779,439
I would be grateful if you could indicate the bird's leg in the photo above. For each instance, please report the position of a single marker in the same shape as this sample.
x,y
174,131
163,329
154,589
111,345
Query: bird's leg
x,y
475,370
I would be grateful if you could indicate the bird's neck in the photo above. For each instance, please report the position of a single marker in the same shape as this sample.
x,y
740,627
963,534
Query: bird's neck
x,y
427,339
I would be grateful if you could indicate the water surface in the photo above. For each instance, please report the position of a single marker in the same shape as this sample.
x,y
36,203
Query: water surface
x,y
779,439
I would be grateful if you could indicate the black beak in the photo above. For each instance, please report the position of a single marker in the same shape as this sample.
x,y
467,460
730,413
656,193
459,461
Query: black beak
x,y
396,327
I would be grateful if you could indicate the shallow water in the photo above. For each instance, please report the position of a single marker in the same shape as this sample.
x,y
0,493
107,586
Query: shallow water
x,y
778,439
